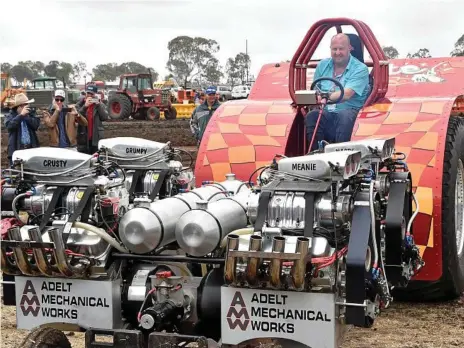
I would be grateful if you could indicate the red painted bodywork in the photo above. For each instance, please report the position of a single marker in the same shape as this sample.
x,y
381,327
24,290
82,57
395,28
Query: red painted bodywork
x,y
415,108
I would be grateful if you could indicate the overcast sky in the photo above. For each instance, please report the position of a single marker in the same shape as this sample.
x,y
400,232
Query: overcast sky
x,y
118,31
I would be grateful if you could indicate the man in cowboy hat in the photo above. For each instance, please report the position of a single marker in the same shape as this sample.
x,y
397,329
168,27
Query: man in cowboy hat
x,y
22,124
62,123
95,112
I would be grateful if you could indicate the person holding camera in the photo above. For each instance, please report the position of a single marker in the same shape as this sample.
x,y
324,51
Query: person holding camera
x,y
95,112
62,122
22,125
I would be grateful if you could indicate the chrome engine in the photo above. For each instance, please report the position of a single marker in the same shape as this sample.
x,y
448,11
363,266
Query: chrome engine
x,y
153,170
65,201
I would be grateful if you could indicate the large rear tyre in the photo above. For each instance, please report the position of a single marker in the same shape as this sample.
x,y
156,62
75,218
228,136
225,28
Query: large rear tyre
x,y
45,337
119,107
170,114
451,283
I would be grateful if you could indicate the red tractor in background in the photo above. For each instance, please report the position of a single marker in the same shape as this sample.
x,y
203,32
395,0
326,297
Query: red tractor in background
x,y
136,98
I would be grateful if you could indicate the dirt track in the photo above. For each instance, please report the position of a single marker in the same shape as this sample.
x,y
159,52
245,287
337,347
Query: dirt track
x,y
404,325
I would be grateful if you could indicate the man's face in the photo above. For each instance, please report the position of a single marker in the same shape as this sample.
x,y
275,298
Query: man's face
x,y
211,98
340,50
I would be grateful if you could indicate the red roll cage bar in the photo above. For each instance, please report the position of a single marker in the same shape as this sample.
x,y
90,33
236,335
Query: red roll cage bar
x,y
301,61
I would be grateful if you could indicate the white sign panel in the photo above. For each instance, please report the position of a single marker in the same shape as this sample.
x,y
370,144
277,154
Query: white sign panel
x,y
308,318
88,303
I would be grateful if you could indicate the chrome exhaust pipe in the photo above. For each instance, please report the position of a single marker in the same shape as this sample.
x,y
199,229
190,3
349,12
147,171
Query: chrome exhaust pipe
x,y
256,244
275,269
40,257
20,256
298,271
7,266
65,268
231,261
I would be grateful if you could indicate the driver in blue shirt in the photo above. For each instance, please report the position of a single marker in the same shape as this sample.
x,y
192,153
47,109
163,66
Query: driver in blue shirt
x,y
337,121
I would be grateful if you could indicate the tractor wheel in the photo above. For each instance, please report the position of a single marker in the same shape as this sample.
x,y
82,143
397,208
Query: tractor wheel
x,y
119,106
46,337
451,284
153,113
170,114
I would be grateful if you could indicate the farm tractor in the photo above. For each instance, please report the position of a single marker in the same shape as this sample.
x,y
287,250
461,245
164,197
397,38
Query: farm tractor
x,y
136,98
43,91
266,242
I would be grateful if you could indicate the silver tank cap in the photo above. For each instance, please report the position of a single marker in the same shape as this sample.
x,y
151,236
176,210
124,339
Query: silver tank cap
x,y
197,233
140,230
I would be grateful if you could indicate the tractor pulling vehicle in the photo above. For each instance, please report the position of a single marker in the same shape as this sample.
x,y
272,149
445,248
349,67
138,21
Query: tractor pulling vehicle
x,y
136,96
318,243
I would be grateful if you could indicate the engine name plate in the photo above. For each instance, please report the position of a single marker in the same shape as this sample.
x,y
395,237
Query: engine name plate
x,y
87,303
307,318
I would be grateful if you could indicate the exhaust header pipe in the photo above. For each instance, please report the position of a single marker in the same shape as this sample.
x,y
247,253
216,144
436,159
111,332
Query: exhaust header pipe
x,y
8,267
41,260
256,245
231,262
20,255
298,270
275,269
66,269
255,257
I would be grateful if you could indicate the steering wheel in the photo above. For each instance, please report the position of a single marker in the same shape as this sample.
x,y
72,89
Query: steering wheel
x,y
326,95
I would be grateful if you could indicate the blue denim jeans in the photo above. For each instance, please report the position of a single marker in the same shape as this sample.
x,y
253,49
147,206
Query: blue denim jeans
x,y
334,127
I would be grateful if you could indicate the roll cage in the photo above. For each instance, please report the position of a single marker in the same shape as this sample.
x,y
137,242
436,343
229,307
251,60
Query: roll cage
x,y
301,61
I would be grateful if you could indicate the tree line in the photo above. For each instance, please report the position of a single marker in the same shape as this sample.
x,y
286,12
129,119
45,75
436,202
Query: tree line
x,y
458,51
192,60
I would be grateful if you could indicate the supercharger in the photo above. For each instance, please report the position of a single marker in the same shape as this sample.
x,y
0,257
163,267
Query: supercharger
x,y
62,200
152,170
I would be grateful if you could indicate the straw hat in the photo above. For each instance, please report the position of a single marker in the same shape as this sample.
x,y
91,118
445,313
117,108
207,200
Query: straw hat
x,y
21,99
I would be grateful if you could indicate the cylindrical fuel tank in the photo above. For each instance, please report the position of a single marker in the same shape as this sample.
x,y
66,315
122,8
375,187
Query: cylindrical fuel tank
x,y
144,229
200,231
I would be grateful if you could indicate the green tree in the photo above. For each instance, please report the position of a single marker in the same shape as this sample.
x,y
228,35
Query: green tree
x,y
5,68
106,72
421,53
190,57
237,68
391,52
80,71
458,48
21,72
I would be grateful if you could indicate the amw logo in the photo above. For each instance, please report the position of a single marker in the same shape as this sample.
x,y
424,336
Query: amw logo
x,y
27,305
242,312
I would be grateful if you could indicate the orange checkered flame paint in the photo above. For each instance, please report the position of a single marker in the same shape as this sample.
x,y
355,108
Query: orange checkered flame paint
x,y
416,101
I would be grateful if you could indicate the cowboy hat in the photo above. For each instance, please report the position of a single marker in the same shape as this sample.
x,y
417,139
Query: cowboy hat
x,y
21,99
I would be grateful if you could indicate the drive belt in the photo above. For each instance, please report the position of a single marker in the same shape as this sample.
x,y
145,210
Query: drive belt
x,y
159,182
356,259
51,206
263,205
309,220
83,202
399,211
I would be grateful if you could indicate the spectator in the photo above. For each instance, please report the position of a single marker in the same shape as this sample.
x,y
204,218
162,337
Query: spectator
x,y
62,122
202,114
22,125
95,112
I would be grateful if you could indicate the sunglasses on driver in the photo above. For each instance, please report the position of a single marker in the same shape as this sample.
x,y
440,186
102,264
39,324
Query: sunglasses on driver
x,y
59,100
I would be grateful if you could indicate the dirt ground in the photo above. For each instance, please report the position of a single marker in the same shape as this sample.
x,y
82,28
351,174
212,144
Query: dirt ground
x,y
404,325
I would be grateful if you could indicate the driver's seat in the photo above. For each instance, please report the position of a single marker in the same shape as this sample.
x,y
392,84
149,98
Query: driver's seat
x,y
358,53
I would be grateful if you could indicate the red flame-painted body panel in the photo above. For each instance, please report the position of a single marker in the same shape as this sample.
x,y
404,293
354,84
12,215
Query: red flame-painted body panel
x,y
244,135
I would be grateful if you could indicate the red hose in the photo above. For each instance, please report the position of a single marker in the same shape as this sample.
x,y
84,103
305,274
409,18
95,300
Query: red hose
x,y
323,102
